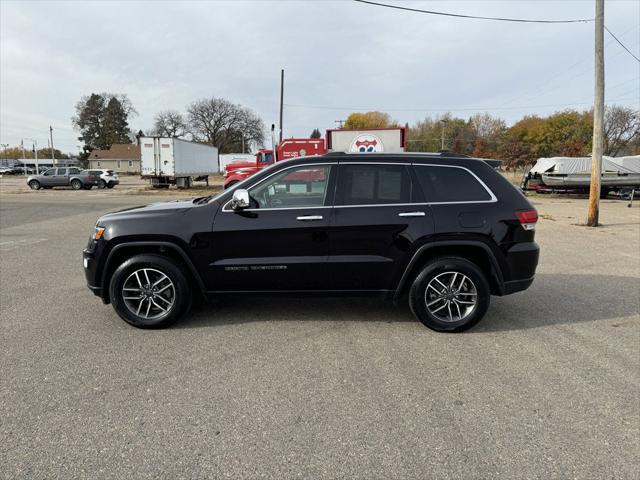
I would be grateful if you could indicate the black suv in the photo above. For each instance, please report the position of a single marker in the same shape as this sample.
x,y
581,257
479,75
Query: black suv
x,y
446,230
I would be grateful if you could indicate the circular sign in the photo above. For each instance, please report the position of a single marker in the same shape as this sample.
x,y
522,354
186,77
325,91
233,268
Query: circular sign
x,y
366,143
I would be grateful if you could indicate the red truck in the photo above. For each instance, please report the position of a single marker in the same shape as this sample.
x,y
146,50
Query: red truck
x,y
288,148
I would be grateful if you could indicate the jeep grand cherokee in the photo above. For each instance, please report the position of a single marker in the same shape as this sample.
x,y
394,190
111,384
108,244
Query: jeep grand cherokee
x,y
446,232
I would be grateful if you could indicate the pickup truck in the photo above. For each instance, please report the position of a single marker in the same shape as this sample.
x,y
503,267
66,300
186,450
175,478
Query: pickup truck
x,y
63,177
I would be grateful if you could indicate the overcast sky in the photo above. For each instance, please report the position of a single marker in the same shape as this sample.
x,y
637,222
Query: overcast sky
x,y
338,56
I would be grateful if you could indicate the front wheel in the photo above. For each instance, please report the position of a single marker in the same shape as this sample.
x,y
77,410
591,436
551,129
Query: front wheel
x,y
111,185
102,184
76,184
150,291
450,295
34,185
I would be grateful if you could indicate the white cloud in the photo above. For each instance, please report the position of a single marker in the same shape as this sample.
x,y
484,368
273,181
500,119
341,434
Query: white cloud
x,y
340,54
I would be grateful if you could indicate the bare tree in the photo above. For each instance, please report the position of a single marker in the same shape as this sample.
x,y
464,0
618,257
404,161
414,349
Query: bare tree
x,y
169,123
621,130
224,124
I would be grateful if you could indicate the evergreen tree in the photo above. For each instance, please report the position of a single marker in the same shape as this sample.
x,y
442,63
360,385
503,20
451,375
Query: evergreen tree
x,y
115,126
315,134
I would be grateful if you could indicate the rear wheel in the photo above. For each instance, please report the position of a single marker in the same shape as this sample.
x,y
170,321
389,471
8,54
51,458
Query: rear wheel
x,y
34,185
450,295
150,291
76,184
102,183
88,187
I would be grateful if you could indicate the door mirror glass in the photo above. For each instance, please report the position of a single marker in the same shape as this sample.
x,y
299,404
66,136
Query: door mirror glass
x,y
240,199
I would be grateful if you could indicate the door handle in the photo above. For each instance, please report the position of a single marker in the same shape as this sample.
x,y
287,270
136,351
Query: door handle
x,y
411,214
309,218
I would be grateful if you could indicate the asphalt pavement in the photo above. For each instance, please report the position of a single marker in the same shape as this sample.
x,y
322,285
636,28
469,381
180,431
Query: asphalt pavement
x,y
546,386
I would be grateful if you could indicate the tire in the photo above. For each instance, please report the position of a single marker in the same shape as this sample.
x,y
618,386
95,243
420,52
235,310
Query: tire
x,y
231,184
604,193
88,187
76,184
110,185
101,184
438,317
34,185
176,295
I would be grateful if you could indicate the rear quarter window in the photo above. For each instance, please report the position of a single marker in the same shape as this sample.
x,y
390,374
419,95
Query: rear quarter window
x,y
450,184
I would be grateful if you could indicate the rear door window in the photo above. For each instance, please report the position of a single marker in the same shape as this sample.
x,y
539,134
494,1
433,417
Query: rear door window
x,y
450,184
62,171
369,184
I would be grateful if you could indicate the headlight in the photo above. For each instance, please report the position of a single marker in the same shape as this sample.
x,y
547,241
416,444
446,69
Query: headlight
x,y
98,233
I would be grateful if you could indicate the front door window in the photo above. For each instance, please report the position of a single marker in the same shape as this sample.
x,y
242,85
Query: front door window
x,y
300,187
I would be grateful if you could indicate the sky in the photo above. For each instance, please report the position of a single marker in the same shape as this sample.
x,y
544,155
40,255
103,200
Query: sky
x,y
338,56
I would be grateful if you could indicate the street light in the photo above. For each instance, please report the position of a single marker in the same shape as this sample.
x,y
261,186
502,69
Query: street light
x,y
35,149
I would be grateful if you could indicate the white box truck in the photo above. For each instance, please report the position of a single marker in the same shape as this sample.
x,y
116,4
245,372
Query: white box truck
x,y
172,161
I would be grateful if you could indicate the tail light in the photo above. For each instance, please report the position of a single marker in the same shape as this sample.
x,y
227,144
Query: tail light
x,y
527,218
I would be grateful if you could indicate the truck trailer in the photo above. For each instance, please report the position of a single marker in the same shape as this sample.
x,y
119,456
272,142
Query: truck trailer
x,y
172,161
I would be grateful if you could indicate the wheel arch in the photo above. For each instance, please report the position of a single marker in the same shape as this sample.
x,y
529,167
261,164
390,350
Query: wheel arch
x,y
122,251
475,251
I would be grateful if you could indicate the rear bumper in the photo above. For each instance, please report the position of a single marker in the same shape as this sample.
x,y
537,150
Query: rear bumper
x,y
514,286
522,260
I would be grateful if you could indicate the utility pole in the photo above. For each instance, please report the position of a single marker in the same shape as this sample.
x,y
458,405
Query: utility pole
x,y
6,161
281,101
52,155
24,159
340,123
598,120
35,149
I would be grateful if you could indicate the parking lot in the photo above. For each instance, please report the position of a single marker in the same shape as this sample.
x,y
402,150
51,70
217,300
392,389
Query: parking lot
x,y
546,386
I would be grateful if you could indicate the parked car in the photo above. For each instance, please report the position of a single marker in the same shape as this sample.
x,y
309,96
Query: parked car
x,y
446,232
63,177
106,178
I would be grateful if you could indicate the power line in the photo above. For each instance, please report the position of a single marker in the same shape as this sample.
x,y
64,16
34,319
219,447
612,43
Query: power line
x,y
474,17
621,44
464,109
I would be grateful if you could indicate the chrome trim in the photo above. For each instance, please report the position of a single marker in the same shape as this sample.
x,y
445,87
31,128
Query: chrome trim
x,y
381,205
494,199
375,163
411,214
309,218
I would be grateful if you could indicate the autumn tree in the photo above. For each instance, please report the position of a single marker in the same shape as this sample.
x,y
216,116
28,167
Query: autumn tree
x,y
15,153
224,124
621,131
169,123
374,119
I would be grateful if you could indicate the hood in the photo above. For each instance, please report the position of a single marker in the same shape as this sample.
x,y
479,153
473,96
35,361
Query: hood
x,y
160,208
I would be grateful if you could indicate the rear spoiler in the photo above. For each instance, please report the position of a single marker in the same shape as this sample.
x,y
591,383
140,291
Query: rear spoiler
x,y
492,163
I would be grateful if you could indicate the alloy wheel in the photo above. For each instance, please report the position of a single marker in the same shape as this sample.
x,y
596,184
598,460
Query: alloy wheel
x,y
451,297
149,293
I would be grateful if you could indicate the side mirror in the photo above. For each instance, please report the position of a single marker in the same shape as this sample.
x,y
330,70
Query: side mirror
x,y
240,199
